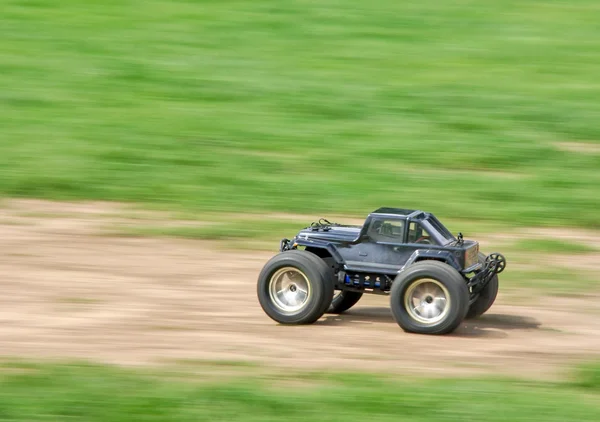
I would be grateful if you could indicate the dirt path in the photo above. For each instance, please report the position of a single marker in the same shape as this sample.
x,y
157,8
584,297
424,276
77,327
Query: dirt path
x,y
68,291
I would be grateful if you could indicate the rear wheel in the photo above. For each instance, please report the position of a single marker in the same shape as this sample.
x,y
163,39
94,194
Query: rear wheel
x,y
487,296
295,287
343,300
429,297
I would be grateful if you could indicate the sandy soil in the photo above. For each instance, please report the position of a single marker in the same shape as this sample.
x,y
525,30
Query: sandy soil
x,y
579,147
70,290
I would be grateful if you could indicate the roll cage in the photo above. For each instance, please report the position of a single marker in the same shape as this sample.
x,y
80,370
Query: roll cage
x,y
414,224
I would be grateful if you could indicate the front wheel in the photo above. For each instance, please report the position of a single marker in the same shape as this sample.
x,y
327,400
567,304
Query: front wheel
x,y
429,297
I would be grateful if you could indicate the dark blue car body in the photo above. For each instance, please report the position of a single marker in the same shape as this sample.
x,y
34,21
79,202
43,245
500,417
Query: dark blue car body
x,y
367,258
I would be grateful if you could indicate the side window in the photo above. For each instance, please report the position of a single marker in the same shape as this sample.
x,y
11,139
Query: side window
x,y
417,234
387,230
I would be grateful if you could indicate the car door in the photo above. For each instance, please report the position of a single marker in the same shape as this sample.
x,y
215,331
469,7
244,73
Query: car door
x,y
383,248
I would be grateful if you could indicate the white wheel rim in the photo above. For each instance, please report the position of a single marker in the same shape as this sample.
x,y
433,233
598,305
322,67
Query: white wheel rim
x,y
427,301
289,290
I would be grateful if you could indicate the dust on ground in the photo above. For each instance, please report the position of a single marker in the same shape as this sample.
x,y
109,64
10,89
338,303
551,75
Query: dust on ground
x,y
70,289
579,147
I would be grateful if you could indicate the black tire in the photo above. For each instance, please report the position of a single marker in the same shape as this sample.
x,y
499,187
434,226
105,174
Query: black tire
x,y
486,298
443,277
344,301
314,272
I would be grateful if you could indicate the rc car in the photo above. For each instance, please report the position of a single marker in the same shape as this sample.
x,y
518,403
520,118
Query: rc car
x,y
434,279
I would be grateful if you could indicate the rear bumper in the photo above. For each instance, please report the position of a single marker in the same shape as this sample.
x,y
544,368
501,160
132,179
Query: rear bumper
x,y
286,244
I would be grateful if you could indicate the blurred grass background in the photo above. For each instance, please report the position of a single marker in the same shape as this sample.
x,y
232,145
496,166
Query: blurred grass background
x,y
485,113
471,109
97,393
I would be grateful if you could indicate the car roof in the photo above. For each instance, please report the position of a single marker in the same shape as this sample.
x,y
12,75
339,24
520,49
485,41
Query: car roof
x,y
399,211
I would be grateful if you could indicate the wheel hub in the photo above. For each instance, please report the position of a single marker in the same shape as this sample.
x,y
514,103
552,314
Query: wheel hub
x,y
289,290
427,301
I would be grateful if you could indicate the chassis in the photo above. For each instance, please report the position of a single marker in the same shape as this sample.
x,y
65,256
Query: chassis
x,y
434,279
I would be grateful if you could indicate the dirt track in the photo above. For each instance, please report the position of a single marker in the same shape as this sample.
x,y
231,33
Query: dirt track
x,y
70,291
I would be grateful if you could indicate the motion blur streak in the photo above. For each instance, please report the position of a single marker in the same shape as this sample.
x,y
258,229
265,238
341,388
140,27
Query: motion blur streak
x,y
127,125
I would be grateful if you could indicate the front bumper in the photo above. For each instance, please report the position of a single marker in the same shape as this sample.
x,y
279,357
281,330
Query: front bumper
x,y
494,264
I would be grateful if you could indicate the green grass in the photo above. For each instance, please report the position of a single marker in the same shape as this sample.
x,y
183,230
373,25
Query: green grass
x,y
588,377
532,264
301,106
552,246
268,230
552,279
95,393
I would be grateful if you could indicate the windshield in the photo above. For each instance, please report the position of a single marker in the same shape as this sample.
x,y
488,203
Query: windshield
x,y
441,231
